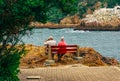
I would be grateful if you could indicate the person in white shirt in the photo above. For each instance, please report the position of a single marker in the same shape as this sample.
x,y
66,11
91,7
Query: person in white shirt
x,y
50,41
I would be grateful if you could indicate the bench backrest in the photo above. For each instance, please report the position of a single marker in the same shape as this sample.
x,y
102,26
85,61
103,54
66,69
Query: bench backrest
x,y
69,49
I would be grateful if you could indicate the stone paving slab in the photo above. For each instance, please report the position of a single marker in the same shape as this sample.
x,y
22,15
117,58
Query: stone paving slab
x,y
72,73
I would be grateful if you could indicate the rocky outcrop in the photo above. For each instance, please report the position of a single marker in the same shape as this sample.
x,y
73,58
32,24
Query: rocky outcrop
x,y
103,18
67,22
71,20
52,25
93,58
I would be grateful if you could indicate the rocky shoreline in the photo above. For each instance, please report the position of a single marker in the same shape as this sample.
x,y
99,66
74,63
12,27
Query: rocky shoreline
x,y
103,19
97,28
87,27
78,27
36,57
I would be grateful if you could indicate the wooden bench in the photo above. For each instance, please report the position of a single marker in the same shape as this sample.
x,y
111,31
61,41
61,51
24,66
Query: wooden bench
x,y
74,49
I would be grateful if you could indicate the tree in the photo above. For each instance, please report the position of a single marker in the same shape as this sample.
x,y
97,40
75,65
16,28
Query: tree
x,y
54,15
110,3
85,5
15,16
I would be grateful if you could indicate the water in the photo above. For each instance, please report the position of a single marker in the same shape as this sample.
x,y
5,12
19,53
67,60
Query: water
x,y
105,42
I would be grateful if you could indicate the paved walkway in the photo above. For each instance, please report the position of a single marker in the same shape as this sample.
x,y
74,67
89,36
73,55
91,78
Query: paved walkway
x,y
72,73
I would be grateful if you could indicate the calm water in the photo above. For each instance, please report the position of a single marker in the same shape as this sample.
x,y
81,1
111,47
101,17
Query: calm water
x,y
105,42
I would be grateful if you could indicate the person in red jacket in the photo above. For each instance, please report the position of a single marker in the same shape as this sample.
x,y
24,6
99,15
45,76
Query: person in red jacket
x,y
62,48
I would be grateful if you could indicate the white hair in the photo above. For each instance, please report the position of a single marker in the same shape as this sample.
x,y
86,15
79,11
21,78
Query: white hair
x,y
62,37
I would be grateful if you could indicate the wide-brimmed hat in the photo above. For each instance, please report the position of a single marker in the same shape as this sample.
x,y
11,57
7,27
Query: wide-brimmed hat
x,y
50,37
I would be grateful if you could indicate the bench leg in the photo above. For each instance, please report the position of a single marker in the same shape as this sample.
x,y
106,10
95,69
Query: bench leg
x,y
78,52
49,53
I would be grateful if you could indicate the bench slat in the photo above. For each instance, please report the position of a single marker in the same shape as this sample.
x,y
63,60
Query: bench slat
x,y
64,46
55,52
52,50
56,49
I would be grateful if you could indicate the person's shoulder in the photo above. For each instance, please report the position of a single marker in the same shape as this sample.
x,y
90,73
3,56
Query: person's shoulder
x,y
59,43
53,40
45,42
48,42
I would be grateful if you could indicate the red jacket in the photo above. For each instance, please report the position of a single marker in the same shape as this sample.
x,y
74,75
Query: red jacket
x,y
62,48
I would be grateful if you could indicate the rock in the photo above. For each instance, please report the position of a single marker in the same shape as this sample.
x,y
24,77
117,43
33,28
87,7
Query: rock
x,y
104,17
70,20
49,63
110,61
93,58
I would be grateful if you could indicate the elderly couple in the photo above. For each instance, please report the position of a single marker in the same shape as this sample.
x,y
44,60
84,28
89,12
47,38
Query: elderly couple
x,y
62,42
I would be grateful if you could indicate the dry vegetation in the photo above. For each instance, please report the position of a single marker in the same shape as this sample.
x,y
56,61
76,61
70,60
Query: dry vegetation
x,y
36,57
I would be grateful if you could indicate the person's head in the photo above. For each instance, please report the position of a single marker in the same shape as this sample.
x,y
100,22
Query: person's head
x,y
50,38
62,38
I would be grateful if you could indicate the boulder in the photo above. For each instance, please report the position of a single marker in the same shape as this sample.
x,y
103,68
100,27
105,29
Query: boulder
x,y
93,58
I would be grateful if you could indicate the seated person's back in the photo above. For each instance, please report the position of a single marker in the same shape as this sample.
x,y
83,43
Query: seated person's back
x,y
62,48
50,41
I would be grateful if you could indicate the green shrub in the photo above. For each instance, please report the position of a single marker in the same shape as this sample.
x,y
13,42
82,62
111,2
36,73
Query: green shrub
x,y
9,64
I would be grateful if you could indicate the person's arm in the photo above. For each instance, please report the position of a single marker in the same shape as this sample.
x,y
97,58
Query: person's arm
x,y
55,43
46,43
59,44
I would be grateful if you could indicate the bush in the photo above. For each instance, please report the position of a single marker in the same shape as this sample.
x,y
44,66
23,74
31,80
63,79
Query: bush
x,y
9,64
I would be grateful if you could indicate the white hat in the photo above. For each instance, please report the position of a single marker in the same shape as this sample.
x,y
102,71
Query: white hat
x,y
62,37
50,37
